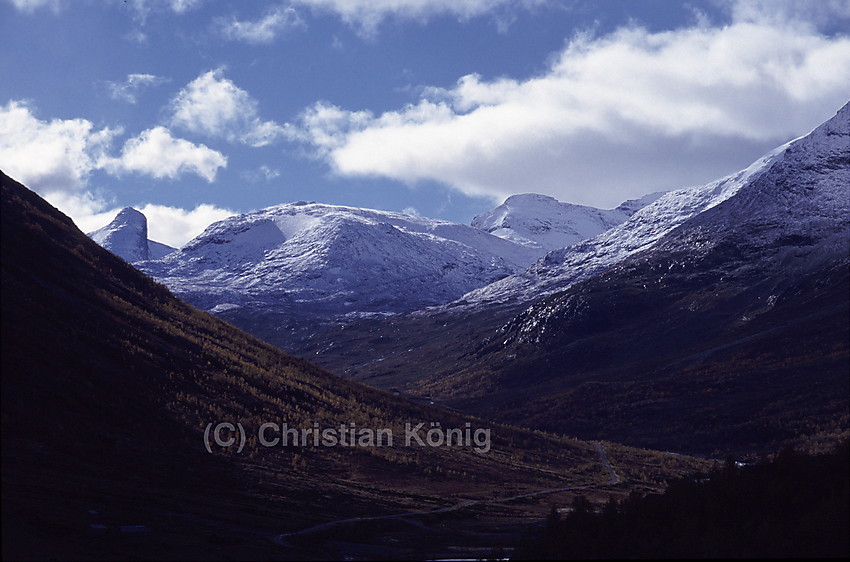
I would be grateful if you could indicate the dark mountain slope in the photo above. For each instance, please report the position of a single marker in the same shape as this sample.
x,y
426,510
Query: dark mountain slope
x,y
651,368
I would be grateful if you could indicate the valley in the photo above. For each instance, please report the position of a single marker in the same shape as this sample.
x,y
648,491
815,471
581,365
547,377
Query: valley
x,y
109,383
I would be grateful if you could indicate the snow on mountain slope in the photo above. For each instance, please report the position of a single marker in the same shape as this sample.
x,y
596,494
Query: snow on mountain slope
x,y
545,224
333,260
793,217
127,237
158,250
783,237
645,228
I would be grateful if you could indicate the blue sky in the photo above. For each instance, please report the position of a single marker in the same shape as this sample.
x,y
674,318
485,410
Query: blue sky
x,y
191,110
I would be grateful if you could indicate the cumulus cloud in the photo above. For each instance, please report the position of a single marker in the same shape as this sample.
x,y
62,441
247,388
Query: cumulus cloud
x,y
87,211
142,8
814,12
263,173
214,106
60,155
55,158
612,117
129,89
327,127
50,155
175,226
367,15
276,21
155,152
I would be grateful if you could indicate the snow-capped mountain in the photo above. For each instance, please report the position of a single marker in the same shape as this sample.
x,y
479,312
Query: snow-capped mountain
x,y
644,228
127,237
545,224
739,313
787,215
334,260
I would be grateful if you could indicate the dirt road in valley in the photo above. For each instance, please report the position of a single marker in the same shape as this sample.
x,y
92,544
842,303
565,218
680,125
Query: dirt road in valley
x,y
613,479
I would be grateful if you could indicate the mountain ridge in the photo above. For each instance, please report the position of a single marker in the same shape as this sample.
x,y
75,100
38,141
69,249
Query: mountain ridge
x,y
545,224
337,258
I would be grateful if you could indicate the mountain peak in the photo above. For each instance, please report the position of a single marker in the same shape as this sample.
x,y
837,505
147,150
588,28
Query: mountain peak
x,y
543,223
127,237
632,206
530,198
129,215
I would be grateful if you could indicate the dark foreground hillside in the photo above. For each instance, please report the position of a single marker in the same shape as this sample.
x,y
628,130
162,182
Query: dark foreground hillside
x,y
796,506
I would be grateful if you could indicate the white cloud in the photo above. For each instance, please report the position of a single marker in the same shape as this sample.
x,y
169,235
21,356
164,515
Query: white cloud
x,y
86,210
263,173
32,5
59,155
612,117
50,155
156,153
778,12
367,15
276,21
129,89
175,226
136,36
327,127
181,6
215,106
55,158
144,7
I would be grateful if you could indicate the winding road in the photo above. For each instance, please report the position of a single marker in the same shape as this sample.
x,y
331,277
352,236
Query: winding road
x,y
613,479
